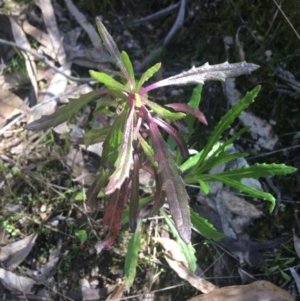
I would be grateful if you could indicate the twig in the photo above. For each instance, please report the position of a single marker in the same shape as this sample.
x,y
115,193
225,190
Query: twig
x,y
162,13
177,24
48,63
287,19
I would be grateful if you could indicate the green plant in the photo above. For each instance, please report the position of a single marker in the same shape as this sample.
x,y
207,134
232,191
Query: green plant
x,y
135,141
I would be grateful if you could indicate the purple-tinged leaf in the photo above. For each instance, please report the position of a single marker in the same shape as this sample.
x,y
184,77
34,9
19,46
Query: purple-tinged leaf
x,y
114,208
134,193
106,243
181,126
107,80
172,182
94,189
112,48
124,160
198,75
159,197
183,107
161,111
64,113
175,135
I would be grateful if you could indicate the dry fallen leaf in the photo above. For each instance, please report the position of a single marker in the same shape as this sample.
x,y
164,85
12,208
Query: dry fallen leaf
x,y
178,263
13,254
14,282
256,291
296,243
10,104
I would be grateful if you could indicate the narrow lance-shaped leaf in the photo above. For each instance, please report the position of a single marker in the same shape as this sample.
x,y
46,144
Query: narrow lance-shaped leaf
x,y
175,135
114,208
161,111
128,65
107,80
148,74
134,193
64,113
219,160
173,184
94,189
96,135
198,75
183,107
187,249
132,256
160,195
147,150
113,141
226,121
204,227
112,48
124,160
142,203
193,103
258,170
240,187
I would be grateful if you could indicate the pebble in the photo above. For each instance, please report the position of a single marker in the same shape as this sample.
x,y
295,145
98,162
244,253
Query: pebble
x,y
84,284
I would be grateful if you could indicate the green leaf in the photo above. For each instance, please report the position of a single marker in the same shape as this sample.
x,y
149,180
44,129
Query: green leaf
x,y
163,112
190,162
147,75
114,140
193,160
128,65
134,192
186,249
204,227
131,257
82,235
148,150
226,121
194,103
107,80
240,187
259,170
285,275
219,160
64,113
228,142
205,187
142,202
124,159
96,135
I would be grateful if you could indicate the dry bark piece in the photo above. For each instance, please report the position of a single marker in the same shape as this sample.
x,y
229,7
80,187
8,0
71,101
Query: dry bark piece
x,y
257,291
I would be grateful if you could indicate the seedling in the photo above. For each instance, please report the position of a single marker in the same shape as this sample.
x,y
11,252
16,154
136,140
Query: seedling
x,y
135,140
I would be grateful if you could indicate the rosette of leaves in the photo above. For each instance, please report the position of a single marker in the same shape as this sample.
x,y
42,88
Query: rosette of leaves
x,y
135,139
